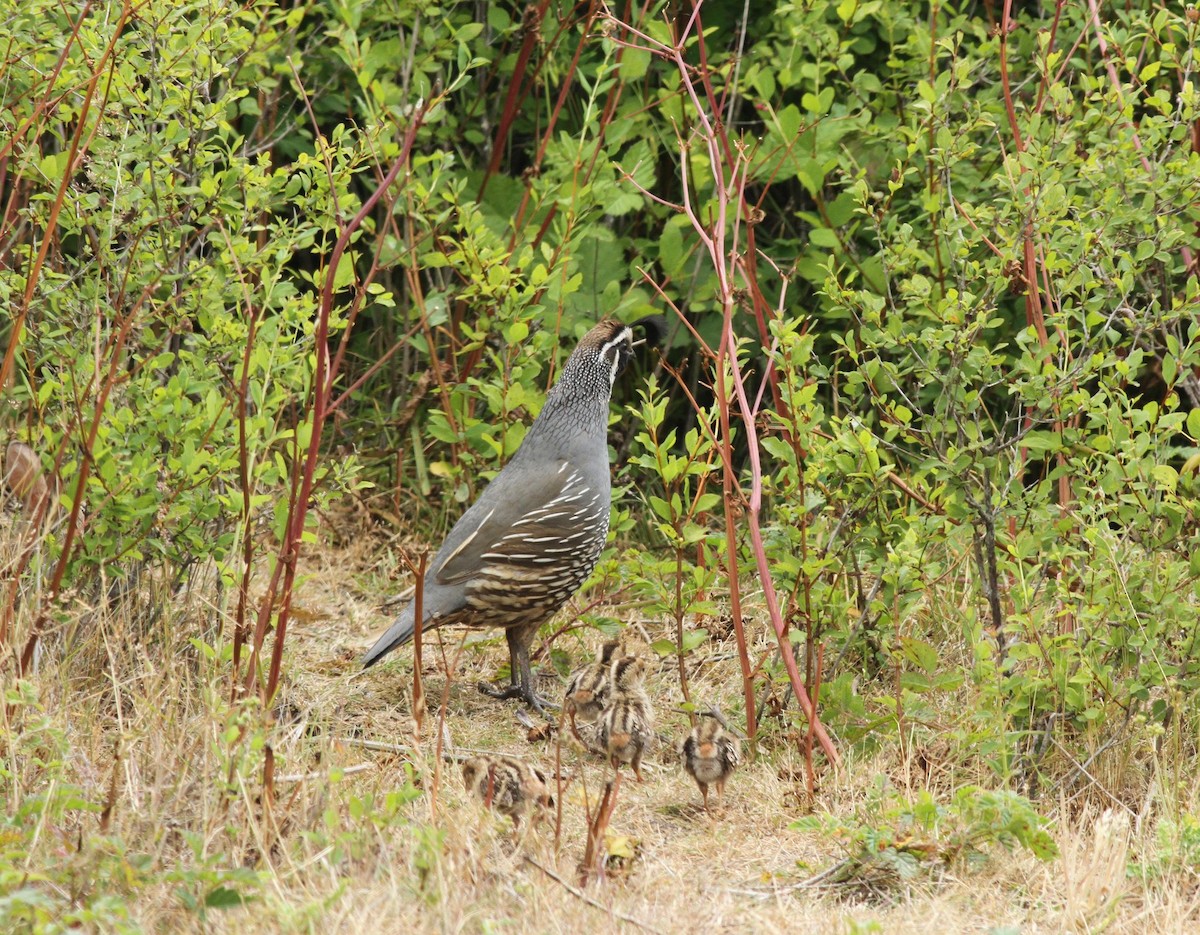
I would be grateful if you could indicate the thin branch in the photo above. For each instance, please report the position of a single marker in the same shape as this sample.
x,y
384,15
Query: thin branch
x,y
584,897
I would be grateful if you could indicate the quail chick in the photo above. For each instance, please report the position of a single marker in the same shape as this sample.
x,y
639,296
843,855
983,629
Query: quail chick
x,y
627,724
710,755
510,786
536,532
592,736
587,689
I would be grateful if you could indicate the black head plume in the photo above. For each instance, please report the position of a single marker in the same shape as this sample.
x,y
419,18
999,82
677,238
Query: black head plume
x,y
654,327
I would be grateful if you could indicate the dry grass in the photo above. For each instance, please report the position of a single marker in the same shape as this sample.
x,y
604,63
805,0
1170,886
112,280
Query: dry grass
x,y
136,718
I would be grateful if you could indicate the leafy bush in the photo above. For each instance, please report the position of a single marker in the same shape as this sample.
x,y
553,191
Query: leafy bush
x,y
897,842
165,340
933,283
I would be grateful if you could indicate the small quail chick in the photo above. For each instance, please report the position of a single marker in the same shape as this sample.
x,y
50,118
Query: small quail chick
x,y
510,786
592,737
627,724
587,689
710,755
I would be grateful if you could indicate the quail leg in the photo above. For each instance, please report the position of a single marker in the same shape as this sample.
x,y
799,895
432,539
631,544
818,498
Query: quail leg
x,y
522,677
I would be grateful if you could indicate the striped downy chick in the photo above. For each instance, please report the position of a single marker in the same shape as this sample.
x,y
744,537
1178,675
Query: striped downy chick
x,y
627,725
510,786
710,755
587,689
592,737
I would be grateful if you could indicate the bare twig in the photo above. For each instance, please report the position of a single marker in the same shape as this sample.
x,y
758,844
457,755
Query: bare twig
x,y
374,745
584,897
720,237
418,702
307,777
592,867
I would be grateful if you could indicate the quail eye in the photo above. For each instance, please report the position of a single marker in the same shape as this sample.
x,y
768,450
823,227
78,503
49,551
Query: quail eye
x,y
617,355
612,354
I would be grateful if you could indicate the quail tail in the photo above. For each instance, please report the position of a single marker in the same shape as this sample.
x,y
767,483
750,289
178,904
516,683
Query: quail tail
x,y
399,633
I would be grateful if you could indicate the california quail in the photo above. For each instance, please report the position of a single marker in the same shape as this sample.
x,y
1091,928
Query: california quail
x,y
587,688
533,537
710,755
627,724
510,786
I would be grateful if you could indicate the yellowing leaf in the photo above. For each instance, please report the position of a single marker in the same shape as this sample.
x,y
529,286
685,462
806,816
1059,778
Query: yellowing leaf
x,y
620,845
1165,476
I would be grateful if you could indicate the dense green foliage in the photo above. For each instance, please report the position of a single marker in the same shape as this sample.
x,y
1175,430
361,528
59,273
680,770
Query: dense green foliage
x,y
955,260
891,212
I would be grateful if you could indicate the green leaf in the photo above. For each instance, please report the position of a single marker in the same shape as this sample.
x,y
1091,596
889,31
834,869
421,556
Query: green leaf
x,y
345,271
823,237
1042,441
468,31
224,898
789,121
693,638
670,249
634,64
1165,476
920,653
53,166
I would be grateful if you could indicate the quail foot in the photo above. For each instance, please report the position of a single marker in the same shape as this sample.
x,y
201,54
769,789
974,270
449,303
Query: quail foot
x,y
535,534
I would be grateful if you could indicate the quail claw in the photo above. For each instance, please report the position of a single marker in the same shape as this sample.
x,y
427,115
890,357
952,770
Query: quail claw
x,y
530,697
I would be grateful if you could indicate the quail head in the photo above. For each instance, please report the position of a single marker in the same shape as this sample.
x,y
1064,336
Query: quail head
x,y
710,755
627,724
587,688
510,786
535,534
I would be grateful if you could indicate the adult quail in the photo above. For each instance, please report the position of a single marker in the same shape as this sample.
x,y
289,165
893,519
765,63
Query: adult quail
x,y
627,724
533,537
510,786
710,755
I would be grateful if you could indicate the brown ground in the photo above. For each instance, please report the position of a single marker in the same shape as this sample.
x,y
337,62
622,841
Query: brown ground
x,y
338,857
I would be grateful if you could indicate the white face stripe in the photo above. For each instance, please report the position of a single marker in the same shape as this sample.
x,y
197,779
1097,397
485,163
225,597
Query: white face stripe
x,y
624,335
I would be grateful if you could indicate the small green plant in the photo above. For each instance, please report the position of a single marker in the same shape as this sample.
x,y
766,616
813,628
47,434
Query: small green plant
x,y
899,841
675,479
1177,851
207,884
